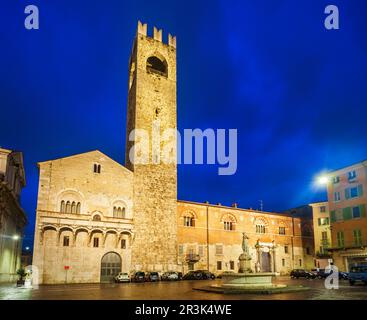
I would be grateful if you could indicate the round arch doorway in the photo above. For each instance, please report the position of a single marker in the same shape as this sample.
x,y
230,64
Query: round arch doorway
x,y
110,266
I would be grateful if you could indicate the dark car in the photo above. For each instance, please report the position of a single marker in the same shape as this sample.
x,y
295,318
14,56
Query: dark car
x,y
319,273
199,275
138,276
302,273
342,275
152,276
358,273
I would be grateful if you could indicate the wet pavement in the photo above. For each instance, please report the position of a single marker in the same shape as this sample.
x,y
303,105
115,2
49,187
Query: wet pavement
x,y
181,290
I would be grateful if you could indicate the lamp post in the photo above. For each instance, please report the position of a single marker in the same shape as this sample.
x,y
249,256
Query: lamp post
x,y
16,239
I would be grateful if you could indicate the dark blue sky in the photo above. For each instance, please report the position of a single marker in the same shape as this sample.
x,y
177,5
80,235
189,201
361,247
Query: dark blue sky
x,y
295,91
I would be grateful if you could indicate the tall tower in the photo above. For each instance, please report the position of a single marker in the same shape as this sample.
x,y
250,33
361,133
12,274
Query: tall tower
x,y
152,108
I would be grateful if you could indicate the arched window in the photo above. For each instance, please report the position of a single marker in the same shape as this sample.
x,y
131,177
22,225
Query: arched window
x,y
156,65
118,212
68,207
229,222
97,217
189,219
260,228
62,206
78,207
73,207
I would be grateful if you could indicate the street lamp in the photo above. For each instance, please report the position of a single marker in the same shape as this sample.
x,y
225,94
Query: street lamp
x,y
322,180
15,237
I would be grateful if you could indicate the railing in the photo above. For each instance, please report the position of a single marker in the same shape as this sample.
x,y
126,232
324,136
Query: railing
x,y
192,257
348,245
79,216
52,217
323,255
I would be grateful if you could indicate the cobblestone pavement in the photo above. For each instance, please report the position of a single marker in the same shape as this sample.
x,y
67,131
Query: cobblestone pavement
x,y
177,291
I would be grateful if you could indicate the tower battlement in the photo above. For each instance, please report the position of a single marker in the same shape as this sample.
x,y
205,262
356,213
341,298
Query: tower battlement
x,y
157,34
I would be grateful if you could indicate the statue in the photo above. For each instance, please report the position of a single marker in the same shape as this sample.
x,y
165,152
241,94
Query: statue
x,y
245,257
244,243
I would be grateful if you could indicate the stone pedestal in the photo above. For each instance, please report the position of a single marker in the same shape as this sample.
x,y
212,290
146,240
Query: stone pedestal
x,y
245,263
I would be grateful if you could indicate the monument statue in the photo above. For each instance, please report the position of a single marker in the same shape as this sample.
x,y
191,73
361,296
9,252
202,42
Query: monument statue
x,y
245,257
244,243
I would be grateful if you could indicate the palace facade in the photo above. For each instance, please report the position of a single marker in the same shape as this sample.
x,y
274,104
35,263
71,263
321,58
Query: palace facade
x,y
96,217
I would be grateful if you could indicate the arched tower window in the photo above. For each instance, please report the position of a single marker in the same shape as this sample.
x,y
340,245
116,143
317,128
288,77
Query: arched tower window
x,y
156,65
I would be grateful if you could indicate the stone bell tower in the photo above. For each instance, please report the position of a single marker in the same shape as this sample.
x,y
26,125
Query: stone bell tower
x,y
151,111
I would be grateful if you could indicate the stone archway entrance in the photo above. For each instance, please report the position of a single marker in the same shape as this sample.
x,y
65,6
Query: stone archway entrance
x,y
265,262
110,266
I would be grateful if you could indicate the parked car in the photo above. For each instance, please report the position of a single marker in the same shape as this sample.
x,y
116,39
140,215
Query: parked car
x,y
138,276
302,273
152,276
180,275
319,273
342,275
122,277
170,276
358,273
199,275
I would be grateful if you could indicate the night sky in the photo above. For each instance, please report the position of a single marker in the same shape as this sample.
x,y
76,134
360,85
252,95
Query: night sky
x,y
295,91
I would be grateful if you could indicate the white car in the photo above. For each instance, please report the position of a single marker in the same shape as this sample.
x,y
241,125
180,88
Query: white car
x,y
170,276
122,277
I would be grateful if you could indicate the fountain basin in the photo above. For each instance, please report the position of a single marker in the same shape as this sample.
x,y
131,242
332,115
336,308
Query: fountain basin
x,y
249,280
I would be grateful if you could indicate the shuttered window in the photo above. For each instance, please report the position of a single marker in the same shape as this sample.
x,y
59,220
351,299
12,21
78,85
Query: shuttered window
x,y
340,239
357,234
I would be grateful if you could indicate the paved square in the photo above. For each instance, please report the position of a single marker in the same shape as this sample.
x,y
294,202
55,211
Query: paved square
x,y
181,290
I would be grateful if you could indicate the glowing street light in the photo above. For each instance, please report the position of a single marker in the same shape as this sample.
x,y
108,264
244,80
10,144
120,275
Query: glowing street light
x,y
16,237
322,180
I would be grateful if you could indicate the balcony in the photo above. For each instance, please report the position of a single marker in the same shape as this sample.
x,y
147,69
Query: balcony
x,y
81,220
192,258
323,255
